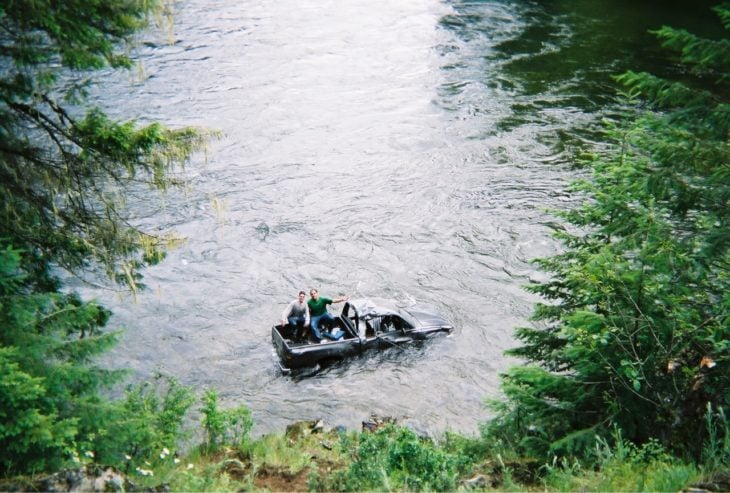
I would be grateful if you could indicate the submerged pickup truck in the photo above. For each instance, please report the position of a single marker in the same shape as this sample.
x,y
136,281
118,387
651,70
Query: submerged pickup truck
x,y
366,324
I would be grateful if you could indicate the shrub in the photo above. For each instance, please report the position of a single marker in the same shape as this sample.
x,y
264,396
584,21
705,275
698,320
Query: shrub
x,y
395,458
230,426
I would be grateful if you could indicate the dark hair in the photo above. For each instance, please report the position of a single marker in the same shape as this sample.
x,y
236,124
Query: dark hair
x,y
302,292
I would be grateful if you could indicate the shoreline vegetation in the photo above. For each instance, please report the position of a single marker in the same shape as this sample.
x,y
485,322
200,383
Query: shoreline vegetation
x,y
382,456
626,375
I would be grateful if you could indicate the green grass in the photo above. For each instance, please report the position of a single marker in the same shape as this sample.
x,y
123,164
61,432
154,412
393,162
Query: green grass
x,y
308,458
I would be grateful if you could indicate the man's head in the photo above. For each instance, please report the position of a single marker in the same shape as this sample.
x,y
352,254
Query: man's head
x,y
302,295
314,294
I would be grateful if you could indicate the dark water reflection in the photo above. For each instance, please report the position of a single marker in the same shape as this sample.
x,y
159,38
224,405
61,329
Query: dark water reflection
x,y
396,149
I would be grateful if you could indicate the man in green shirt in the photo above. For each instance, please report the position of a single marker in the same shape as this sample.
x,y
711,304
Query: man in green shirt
x,y
318,312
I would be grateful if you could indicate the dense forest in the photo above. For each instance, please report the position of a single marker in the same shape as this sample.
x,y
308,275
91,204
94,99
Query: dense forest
x,y
626,379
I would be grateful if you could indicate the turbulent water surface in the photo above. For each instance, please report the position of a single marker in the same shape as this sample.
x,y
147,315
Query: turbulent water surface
x,y
404,149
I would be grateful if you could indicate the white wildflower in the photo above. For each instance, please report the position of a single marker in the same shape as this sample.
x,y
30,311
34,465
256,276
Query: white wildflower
x,y
190,466
89,454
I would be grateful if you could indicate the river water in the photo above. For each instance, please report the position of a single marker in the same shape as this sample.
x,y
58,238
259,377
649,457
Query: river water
x,y
404,149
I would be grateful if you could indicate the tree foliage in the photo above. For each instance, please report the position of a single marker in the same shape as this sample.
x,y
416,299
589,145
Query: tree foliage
x,y
61,168
64,170
49,390
636,314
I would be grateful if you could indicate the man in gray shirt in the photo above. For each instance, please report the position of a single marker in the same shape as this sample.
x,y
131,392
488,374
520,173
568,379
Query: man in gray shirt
x,y
297,314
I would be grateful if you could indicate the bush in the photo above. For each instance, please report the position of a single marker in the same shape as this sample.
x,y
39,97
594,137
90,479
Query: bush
x,y
622,466
392,459
230,427
146,425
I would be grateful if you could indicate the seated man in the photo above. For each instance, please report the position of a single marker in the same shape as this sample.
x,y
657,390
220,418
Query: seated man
x,y
318,313
297,315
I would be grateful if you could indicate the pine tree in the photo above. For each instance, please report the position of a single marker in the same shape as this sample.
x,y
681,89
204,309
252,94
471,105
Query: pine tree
x,y
636,329
63,172
48,389
62,165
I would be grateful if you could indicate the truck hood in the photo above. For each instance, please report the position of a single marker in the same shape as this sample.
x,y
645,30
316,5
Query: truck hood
x,y
427,317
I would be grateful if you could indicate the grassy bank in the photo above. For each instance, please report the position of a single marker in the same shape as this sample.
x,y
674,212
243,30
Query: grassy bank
x,y
384,456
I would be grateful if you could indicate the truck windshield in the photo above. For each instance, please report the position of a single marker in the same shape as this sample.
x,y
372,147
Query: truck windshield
x,y
408,318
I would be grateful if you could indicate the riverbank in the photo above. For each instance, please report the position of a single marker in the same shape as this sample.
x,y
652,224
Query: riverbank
x,y
382,456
